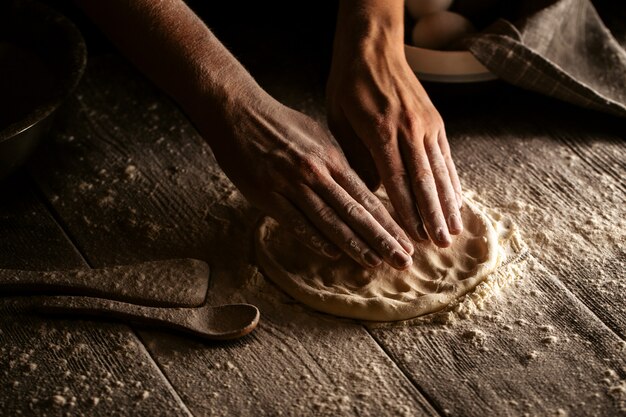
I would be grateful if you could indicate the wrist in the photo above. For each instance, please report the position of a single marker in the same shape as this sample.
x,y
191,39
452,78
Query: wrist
x,y
367,26
213,101
218,112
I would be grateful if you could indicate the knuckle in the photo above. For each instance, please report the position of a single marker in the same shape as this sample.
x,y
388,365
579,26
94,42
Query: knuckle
x,y
312,172
419,125
423,176
323,212
430,142
353,245
370,202
333,153
298,227
438,168
302,231
385,244
307,165
449,201
437,124
292,163
315,241
336,162
354,210
434,121
443,144
413,125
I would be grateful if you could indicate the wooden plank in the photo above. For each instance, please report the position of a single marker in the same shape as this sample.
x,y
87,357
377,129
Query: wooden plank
x,y
527,371
134,182
560,172
537,350
534,350
63,367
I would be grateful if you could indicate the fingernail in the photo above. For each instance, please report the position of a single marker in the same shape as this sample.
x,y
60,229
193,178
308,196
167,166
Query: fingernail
x,y
421,233
454,221
331,251
371,259
401,260
442,236
406,245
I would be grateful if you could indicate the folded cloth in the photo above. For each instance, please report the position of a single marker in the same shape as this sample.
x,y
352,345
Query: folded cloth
x,y
560,48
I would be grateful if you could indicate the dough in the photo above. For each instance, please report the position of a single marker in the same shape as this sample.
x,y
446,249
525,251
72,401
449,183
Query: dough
x,y
344,288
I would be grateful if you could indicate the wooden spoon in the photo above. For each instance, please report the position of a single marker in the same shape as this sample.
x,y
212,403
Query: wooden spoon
x,y
168,283
229,321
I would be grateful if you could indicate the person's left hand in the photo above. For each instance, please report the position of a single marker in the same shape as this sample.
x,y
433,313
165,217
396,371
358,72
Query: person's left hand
x,y
390,130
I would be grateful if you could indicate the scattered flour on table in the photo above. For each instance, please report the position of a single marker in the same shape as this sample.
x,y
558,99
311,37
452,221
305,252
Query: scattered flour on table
x,y
615,388
73,371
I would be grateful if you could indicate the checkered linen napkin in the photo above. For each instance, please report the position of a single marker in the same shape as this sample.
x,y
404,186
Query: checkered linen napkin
x,y
560,48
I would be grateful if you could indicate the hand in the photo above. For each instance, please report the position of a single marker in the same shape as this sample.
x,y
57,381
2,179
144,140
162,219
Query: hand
x,y
381,115
292,169
281,160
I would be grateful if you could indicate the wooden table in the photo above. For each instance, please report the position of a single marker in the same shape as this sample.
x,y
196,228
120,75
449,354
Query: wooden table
x,y
125,178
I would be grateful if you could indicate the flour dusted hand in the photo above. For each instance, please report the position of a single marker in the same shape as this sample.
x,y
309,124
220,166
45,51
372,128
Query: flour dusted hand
x,y
386,123
281,160
291,168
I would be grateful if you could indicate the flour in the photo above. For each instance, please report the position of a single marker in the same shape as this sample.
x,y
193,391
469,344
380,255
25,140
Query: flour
x,y
131,172
74,370
549,340
615,388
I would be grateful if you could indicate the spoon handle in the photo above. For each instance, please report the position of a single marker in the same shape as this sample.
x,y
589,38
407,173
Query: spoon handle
x,y
168,283
224,322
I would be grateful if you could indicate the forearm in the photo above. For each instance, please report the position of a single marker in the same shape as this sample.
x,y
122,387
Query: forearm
x,y
173,47
363,25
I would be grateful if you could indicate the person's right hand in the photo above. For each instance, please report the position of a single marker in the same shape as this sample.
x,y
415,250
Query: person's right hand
x,y
291,168
387,125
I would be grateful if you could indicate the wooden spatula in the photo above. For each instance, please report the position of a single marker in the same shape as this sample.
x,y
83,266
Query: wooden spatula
x,y
229,321
168,283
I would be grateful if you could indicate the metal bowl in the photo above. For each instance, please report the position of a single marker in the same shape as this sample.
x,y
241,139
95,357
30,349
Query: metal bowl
x,y
42,58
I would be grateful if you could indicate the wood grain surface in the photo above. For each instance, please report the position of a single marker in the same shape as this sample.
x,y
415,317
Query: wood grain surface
x,y
177,203
132,181
65,367
125,178
559,171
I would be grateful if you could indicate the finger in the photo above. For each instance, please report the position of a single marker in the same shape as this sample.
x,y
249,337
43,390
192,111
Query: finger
x,y
445,191
362,222
425,191
447,156
356,188
328,222
289,217
359,157
394,176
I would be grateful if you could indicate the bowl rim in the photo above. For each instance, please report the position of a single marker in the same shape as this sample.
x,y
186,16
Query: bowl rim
x,y
77,49
446,66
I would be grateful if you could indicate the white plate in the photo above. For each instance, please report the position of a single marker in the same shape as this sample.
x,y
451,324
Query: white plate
x,y
446,66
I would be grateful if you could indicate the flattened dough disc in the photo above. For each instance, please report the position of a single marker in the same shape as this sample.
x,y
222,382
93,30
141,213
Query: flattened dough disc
x,y
344,288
